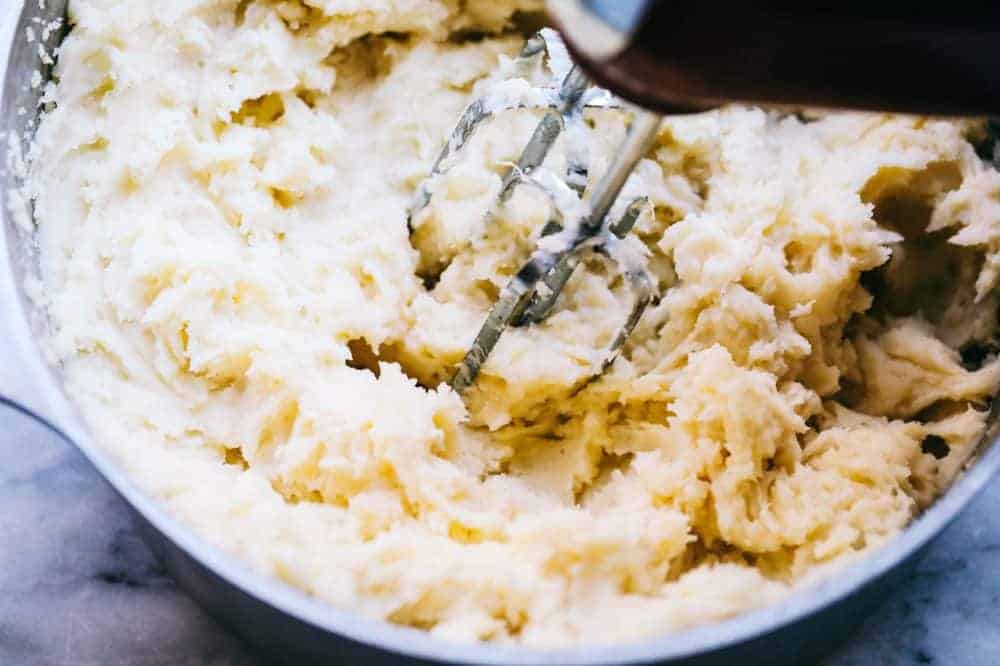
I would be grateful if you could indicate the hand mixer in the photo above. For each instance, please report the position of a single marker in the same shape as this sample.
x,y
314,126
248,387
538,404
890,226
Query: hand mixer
x,y
685,57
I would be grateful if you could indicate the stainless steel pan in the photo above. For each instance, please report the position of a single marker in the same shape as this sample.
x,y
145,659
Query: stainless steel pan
x,y
293,627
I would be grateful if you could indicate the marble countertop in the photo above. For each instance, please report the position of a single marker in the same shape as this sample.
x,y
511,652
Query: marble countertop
x,y
78,588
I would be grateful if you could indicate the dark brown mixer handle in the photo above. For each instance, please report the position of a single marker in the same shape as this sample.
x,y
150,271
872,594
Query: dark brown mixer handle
x,y
686,56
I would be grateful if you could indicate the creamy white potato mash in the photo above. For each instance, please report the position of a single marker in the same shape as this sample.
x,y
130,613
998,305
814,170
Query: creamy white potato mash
x,y
251,327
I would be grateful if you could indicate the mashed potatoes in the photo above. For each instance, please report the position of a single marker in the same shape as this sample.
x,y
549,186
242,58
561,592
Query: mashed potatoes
x,y
248,324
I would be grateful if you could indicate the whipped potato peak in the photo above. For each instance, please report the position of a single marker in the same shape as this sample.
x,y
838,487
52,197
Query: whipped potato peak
x,y
248,324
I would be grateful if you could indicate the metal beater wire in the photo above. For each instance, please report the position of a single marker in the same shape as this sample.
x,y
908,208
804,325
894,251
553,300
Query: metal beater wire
x,y
531,296
516,296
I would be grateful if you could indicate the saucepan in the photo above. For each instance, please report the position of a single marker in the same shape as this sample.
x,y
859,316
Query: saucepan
x,y
287,624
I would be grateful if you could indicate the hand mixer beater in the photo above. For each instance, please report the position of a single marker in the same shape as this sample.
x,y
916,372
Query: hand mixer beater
x,y
685,57
579,226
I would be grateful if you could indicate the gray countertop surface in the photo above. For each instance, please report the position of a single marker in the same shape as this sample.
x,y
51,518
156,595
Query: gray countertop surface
x,y
77,586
